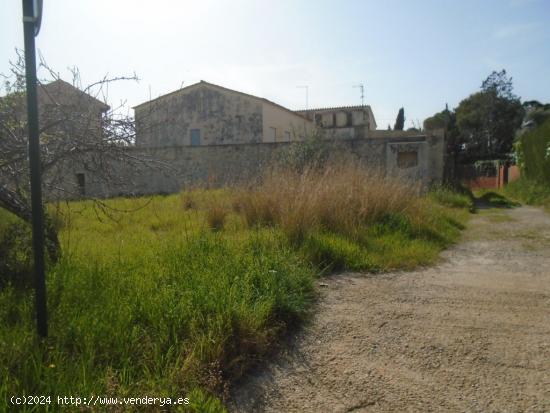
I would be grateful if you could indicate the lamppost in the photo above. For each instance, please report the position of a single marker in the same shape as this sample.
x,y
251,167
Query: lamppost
x,y
32,17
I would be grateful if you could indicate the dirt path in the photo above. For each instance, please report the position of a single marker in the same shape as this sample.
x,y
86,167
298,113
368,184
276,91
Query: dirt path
x,y
470,335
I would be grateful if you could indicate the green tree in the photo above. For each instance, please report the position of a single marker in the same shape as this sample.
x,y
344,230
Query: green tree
x,y
445,119
487,120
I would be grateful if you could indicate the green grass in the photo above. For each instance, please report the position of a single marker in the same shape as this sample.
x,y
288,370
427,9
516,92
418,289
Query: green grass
x,y
529,192
451,198
156,302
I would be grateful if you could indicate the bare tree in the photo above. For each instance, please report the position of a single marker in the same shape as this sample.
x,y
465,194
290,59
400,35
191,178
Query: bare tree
x,y
76,128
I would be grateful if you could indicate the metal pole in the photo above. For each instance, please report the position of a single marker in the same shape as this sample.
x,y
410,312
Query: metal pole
x,y
307,95
29,25
362,88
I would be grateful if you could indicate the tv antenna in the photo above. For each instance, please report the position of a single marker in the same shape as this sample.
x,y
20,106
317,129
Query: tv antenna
x,y
306,87
362,87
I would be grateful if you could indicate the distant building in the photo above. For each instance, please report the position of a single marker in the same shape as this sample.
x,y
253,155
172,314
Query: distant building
x,y
59,102
342,122
68,117
206,114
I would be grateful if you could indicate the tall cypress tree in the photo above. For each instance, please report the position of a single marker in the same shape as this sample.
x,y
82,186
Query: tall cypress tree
x,y
400,121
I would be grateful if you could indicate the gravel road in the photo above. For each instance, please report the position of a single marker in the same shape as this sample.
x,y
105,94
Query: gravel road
x,y
471,334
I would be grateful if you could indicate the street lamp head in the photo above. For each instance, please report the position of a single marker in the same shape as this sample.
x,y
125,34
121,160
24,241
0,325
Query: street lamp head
x,y
32,13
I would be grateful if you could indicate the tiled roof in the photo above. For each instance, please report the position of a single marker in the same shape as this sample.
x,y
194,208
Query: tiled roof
x,y
334,108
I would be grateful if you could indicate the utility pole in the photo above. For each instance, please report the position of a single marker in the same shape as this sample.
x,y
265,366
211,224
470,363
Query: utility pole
x,y
307,92
362,88
32,15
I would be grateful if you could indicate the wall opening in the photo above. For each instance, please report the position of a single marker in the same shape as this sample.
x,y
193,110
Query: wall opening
x,y
195,137
407,159
81,184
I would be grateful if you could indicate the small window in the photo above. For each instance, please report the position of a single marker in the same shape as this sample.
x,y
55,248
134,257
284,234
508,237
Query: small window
x,y
272,134
408,159
81,184
195,137
287,136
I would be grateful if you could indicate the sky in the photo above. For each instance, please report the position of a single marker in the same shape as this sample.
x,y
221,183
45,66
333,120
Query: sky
x,y
418,55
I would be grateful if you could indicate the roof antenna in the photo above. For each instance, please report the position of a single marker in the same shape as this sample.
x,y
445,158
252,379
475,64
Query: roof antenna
x,y
360,86
182,82
306,87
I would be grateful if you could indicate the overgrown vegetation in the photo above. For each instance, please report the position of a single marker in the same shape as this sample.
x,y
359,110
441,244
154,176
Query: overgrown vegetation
x,y
15,251
533,156
529,191
533,153
180,296
453,197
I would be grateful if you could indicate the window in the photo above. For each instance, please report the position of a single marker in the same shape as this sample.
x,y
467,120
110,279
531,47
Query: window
x,y
272,134
407,159
195,137
81,184
287,136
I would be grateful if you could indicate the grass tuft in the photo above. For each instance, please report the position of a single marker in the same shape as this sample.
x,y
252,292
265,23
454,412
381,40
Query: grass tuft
x,y
215,217
451,198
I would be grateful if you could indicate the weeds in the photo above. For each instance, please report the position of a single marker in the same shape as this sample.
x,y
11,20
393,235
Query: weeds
x,y
338,198
155,303
451,198
215,217
530,192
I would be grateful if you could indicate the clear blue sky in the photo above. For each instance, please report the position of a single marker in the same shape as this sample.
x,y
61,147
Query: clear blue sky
x,y
416,54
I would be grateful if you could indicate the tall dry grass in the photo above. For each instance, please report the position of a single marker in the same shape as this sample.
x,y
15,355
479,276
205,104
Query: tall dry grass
x,y
340,197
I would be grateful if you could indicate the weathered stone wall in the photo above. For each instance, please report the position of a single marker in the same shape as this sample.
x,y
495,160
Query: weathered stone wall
x,y
221,117
172,168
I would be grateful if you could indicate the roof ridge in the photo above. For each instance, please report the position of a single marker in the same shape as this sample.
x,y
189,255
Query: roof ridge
x,y
334,107
204,82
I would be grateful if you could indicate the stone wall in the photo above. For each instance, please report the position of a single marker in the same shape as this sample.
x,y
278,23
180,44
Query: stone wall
x,y
172,168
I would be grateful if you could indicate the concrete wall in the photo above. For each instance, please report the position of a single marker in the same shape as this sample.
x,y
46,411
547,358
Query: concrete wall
x,y
172,168
221,116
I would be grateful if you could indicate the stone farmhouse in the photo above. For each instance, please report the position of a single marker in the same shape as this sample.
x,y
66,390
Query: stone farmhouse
x,y
57,101
64,110
60,95
208,134
208,114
